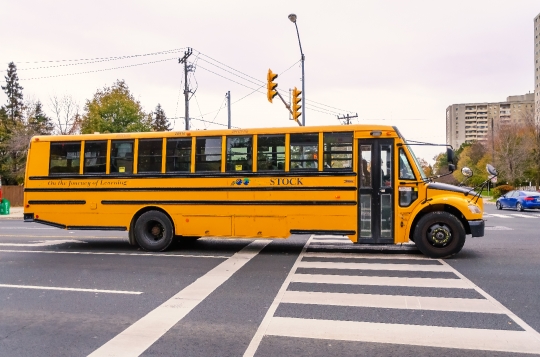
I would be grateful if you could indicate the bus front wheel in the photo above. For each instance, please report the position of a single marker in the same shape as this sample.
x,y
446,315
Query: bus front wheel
x,y
154,231
439,234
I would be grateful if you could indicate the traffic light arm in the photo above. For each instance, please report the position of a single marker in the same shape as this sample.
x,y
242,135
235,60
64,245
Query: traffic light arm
x,y
285,103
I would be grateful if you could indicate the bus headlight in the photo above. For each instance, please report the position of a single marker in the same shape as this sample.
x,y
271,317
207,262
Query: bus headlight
x,y
474,209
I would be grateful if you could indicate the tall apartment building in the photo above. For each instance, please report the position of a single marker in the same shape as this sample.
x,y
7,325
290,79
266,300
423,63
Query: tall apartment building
x,y
537,65
477,121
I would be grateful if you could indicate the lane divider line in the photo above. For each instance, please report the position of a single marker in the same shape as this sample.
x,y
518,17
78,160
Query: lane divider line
x,y
35,287
111,253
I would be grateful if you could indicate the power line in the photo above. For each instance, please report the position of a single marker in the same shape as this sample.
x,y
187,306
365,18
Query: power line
x,y
97,70
105,58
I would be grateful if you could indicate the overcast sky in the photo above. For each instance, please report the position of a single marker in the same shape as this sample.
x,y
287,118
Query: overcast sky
x,y
392,62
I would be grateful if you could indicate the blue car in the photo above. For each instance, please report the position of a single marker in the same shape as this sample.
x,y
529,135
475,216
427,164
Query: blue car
x,y
519,200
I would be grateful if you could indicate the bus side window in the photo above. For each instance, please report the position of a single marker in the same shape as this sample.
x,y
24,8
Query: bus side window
x,y
239,153
338,151
122,156
178,155
304,151
95,157
65,158
149,155
208,154
271,152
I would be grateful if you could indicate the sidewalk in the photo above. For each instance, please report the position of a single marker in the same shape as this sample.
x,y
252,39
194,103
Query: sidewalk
x,y
14,213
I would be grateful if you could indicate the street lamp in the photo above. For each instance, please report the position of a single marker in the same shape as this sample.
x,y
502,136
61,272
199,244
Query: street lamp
x,y
292,17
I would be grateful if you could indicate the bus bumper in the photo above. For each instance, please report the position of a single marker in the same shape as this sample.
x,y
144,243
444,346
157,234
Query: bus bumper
x,y
477,228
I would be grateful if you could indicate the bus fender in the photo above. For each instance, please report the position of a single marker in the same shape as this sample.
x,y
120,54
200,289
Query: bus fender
x,y
454,205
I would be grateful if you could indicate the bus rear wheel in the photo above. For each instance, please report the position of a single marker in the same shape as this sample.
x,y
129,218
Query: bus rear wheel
x,y
154,231
439,234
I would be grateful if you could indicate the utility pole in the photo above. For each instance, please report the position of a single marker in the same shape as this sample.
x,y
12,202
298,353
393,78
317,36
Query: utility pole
x,y
348,118
228,95
186,86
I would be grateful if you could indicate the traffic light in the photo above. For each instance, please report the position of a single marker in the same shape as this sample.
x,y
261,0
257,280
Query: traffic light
x,y
271,86
296,104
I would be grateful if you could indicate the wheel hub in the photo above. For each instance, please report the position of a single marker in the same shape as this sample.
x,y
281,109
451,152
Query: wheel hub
x,y
156,231
439,235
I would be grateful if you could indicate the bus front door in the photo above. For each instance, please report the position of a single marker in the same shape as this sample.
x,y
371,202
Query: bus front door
x,y
375,191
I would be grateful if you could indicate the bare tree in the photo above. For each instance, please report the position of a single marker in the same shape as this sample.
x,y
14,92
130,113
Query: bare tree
x,y
66,115
512,151
532,125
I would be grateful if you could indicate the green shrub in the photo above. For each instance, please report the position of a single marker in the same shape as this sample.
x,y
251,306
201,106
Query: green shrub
x,y
501,190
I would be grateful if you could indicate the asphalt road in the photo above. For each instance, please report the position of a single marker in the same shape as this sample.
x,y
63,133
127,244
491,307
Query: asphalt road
x,y
80,293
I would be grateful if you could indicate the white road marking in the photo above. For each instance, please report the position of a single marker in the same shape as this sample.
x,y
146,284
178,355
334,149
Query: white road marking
x,y
366,256
44,243
521,215
261,331
507,311
109,253
499,215
380,281
498,228
417,335
35,287
392,301
136,339
373,266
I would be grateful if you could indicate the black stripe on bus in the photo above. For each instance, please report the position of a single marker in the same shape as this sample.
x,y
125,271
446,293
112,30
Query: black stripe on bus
x,y
199,175
101,228
47,223
231,203
184,189
321,232
56,202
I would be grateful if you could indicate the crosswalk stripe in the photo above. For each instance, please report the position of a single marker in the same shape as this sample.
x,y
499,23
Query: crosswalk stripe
x,y
380,281
416,335
521,215
499,215
365,256
391,301
373,266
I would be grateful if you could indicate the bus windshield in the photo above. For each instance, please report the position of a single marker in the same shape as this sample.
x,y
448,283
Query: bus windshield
x,y
422,173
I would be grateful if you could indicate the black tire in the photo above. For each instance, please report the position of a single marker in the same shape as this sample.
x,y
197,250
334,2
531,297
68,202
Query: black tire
x,y
498,205
439,234
519,207
154,231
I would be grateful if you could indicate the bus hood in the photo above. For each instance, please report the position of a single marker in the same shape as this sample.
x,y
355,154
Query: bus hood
x,y
446,187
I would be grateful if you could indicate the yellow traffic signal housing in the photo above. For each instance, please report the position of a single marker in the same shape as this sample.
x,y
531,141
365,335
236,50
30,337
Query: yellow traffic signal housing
x,y
296,104
271,86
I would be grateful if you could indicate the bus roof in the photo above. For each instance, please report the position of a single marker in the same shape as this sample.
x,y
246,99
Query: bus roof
x,y
390,130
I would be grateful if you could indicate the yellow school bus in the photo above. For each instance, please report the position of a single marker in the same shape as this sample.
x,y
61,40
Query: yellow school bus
x,y
362,181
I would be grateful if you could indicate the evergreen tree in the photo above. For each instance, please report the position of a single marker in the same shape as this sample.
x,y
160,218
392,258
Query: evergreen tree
x,y
159,120
38,122
13,90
